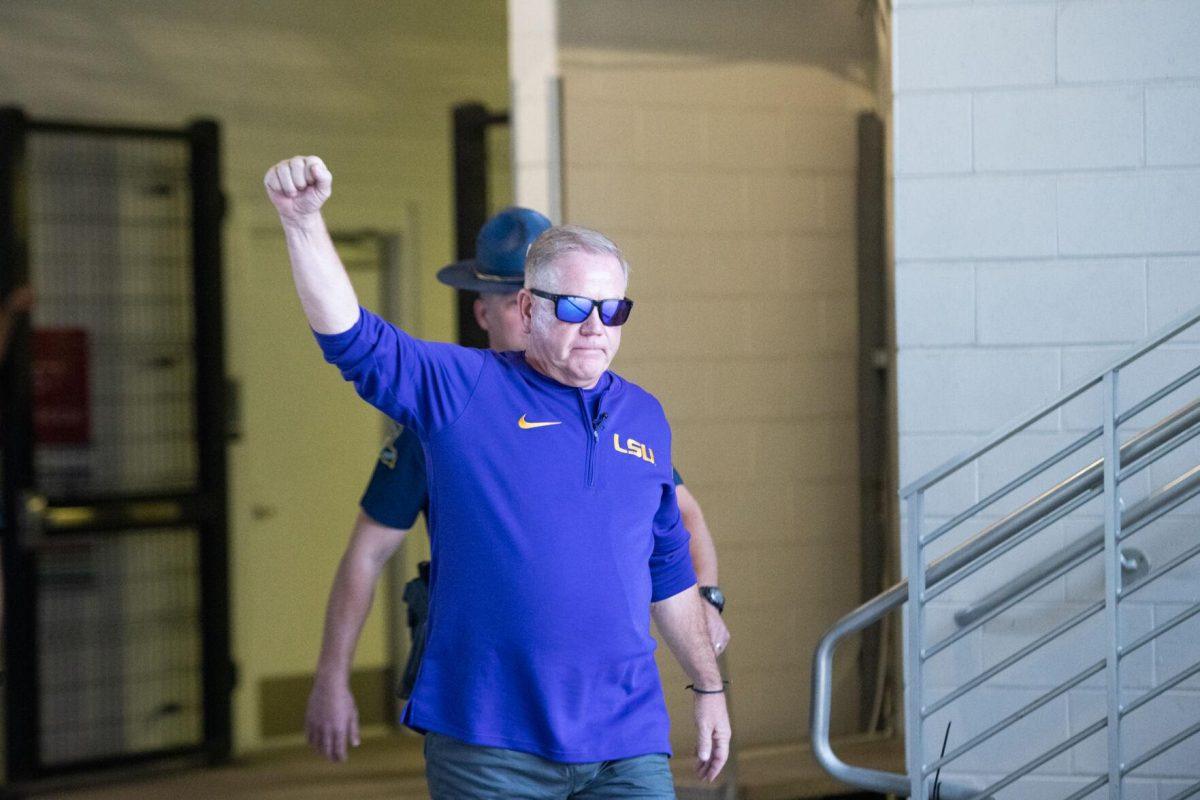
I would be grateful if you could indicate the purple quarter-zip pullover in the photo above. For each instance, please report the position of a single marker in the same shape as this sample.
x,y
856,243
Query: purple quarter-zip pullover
x,y
553,528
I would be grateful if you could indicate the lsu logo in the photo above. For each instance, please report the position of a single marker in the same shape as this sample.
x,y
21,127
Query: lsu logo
x,y
633,448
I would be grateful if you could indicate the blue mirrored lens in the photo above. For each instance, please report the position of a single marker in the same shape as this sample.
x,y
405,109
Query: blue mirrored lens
x,y
573,309
615,312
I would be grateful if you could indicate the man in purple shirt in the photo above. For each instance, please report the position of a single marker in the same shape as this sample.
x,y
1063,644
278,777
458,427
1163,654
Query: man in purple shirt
x,y
554,527
396,495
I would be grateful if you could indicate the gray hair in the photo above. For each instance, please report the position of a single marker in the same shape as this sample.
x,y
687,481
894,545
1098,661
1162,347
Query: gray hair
x,y
556,242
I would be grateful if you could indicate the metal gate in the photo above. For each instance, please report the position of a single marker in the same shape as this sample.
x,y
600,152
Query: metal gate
x,y
111,410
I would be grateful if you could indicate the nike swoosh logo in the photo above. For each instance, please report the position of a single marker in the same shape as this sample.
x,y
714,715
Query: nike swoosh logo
x,y
526,425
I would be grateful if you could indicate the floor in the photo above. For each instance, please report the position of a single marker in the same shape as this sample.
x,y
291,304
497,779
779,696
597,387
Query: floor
x,y
391,767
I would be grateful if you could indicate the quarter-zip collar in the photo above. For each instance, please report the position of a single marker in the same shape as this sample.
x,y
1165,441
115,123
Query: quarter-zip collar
x,y
609,381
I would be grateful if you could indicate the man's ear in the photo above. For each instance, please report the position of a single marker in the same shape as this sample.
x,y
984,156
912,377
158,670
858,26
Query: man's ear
x,y
525,302
480,310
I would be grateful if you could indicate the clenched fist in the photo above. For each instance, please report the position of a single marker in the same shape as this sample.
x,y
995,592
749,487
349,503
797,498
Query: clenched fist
x,y
298,186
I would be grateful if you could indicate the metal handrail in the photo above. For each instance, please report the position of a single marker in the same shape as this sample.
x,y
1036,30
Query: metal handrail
x,y
1134,564
1009,487
1168,497
1170,429
1141,449
1171,495
821,707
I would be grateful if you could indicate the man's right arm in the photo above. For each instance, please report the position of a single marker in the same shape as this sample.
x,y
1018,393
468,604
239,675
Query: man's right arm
x,y
332,718
298,187
422,384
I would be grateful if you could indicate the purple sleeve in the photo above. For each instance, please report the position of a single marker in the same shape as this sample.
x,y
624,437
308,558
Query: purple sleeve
x,y
671,568
424,385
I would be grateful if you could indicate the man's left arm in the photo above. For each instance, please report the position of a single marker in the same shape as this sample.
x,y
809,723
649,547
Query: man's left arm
x,y
680,620
678,611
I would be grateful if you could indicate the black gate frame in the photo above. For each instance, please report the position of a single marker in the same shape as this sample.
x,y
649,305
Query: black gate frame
x,y
206,508
471,123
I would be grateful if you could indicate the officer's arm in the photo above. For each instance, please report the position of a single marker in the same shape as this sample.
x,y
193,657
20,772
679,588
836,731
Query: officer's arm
x,y
704,559
332,718
704,552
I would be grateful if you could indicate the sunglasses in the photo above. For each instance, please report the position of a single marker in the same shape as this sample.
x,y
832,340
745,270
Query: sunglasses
x,y
573,309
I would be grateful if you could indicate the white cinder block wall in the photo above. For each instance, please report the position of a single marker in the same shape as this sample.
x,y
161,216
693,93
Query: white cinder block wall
x,y
1046,190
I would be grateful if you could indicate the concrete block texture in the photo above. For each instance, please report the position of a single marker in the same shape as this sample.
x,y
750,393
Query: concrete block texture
x,y
1063,302
945,47
1141,730
1172,290
948,669
1067,656
1176,650
1136,382
822,140
935,304
1007,750
1148,212
975,217
1056,787
750,139
680,138
961,391
804,391
1057,129
1128,41
935,130
1172,121
817,263
921,453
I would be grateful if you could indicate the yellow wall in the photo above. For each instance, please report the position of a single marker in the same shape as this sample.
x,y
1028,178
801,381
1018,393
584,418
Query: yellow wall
x,y
366,85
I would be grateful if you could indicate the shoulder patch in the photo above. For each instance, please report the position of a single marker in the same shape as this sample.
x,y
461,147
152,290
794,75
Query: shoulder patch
x,y
388,454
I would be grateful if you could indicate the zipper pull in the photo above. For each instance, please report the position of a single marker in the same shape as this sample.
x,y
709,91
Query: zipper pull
x,y
597,425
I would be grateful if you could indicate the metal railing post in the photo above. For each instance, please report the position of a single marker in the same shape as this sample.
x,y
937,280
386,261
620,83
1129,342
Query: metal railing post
x,y
915,609
1112,579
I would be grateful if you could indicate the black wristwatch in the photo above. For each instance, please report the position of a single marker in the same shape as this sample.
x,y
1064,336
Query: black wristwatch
x,y
714,595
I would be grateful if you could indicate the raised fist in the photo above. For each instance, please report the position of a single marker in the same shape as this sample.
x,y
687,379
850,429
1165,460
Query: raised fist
x,y
298,186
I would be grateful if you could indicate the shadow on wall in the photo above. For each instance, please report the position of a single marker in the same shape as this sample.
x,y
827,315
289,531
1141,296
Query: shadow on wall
x,y
834,35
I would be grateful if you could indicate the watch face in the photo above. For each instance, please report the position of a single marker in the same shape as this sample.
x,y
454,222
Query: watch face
x,y
714,595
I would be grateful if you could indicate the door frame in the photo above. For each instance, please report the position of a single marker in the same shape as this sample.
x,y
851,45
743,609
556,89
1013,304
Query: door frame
x,y
31,525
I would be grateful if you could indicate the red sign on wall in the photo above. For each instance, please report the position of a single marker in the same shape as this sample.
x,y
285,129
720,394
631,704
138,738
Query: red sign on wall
x,y
61,403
